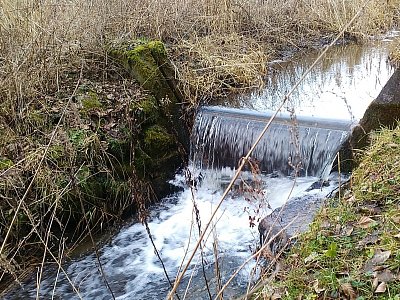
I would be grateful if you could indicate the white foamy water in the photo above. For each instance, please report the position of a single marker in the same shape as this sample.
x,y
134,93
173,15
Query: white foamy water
x,y
341,87
132,268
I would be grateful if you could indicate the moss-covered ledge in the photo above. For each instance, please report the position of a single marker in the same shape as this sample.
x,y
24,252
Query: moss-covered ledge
x,y
148,63
163,138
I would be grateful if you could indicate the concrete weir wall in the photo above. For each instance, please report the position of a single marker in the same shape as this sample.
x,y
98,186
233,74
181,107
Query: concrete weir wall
x,y
384,111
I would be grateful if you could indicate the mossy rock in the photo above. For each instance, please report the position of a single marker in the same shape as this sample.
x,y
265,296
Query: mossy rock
x,y
147,62
148,111
158,142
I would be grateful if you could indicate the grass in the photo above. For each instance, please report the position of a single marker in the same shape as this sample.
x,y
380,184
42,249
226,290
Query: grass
x,y
41,42
352,248
49,47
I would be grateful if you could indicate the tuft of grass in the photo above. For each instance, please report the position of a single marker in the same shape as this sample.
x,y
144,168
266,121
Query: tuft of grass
x,y
352,248
395,53
216,66
377,179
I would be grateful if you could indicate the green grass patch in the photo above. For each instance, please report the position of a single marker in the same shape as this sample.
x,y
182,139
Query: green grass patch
x,y
352,250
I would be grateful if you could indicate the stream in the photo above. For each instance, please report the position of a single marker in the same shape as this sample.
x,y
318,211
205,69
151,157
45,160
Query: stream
x,y
339,88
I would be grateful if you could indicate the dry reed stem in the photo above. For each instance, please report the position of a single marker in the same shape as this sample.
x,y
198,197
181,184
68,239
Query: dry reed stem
x,y
395,53
254,256
247,157
43,42
38,167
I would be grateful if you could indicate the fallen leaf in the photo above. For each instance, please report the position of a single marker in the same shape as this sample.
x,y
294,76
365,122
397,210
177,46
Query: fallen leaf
x,y
311,257
348,230
370,209
385,276
365,222
276,296
375,283
348,291
380,257
380,268
316,287
369,239
381,288
351,199
396,219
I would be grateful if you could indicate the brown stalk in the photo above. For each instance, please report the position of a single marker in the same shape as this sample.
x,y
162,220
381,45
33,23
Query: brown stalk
x,y
244,160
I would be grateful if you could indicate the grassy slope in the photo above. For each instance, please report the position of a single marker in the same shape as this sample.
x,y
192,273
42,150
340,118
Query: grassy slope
x,y
352,250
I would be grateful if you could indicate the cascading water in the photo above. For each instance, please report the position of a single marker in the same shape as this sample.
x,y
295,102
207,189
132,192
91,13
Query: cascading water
x,y
132,269
220,138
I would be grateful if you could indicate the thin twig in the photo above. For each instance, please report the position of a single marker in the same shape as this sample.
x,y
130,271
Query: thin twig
x,y
58,262
38,167
96,250
48,232
253,256
244,160
198,222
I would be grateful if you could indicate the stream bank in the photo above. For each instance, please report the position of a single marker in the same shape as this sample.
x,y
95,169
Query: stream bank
x,y
96,150
352,248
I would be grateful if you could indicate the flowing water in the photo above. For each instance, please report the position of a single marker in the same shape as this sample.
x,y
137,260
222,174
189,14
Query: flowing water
x,y
340,88
341,85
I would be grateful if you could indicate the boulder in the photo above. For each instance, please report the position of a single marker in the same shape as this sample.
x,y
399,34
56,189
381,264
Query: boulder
x,y
383,111
300,210
148,63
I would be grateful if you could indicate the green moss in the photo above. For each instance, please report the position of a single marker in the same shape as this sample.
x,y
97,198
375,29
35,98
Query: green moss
x,y
36,117
56,152
148,111
90,100
77,137
5,163
158,142
148,64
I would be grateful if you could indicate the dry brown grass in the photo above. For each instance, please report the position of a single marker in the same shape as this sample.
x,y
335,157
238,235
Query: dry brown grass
x,y
216,66
40,40
395,53
218,47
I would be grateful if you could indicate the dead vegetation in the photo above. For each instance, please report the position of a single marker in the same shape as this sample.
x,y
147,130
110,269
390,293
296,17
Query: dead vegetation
x,y
395,54
54,62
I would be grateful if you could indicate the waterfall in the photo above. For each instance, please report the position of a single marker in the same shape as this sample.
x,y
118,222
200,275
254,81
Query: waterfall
x,y
221,136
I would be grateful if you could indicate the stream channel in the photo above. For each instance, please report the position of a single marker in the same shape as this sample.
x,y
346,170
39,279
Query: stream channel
x,y
336,92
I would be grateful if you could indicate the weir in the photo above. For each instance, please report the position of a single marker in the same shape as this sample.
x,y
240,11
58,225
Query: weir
x,y
222,136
